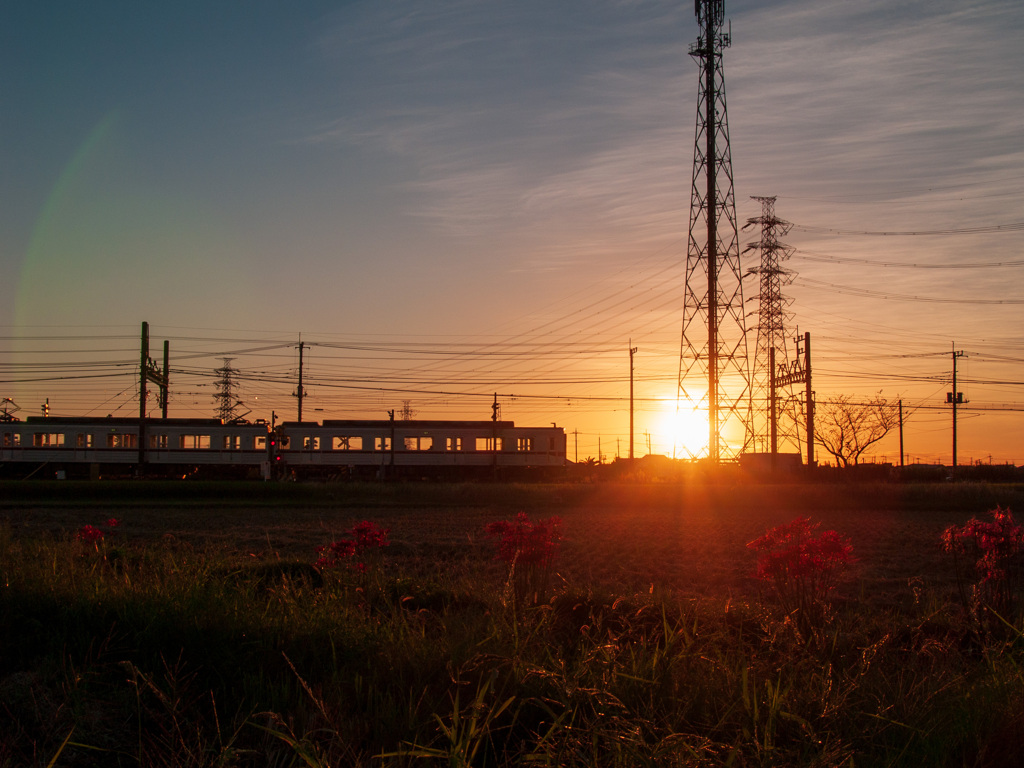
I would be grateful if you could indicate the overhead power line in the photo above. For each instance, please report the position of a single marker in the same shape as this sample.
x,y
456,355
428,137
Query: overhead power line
x,y
900,296
1017,226
811,256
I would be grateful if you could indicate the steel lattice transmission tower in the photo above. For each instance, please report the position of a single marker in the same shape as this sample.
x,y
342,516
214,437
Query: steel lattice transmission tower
x,y
226,396
713,352
771,329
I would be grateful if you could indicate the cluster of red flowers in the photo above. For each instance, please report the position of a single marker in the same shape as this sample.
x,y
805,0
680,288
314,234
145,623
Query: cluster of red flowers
x,y
802,566
365,536
91,534
998,549
796,551
996,543
524,542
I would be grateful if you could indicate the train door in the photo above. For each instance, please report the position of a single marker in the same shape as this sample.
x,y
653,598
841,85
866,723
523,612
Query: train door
x,y
83,446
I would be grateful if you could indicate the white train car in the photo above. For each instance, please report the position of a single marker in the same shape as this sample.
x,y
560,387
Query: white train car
x,y
419,447
112,445
333,449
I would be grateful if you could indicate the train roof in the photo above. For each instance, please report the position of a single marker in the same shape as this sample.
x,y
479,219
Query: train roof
x,y
418,424
118,421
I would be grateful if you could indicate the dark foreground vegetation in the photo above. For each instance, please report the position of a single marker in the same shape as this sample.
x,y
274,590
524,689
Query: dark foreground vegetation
x,y
198,631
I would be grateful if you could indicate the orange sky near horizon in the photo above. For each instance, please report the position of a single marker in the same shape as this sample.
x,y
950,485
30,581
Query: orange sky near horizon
x,y
453,201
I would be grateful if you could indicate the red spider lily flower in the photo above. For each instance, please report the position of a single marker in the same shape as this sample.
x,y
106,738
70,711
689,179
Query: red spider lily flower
x,y
524,542
998,547
90,534
366,536
113,522
802,567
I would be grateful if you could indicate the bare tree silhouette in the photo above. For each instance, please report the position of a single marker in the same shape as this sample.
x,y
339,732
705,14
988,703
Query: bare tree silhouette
x,y
846,428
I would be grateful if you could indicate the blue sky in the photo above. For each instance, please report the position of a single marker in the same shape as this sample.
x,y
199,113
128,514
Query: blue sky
x,y
465,173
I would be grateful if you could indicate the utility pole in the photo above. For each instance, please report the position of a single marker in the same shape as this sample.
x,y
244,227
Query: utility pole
x,y
148,372
810,400
773,421
166,385
143,370
955,398
901,435
800,371
300,392
495,415
632,351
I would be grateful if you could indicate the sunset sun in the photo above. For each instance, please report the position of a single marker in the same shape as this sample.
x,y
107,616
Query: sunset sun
x,y
685,429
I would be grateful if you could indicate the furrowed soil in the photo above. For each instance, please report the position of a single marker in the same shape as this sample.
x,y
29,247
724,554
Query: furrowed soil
x,y
690,538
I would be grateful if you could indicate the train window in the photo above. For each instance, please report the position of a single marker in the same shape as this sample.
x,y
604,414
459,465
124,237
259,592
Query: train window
x,y
286,443
83,440
418,443
382,443
193,442
113,440
130,441
351,443
232,442
7,440
42,439
259,442
524,444
488,443
158,441
310,443
453,444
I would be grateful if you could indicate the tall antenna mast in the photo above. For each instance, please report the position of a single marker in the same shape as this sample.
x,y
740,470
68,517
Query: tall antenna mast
x,y
713,301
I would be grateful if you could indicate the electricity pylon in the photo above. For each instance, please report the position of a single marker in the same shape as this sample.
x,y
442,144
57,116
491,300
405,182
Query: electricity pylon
x,y
772,317
714,369
226,397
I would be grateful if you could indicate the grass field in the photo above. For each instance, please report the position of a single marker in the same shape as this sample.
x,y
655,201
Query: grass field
x,y
199,633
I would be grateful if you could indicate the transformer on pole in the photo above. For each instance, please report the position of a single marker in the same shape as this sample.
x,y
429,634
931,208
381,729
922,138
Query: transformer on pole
x,y
713,365
771,334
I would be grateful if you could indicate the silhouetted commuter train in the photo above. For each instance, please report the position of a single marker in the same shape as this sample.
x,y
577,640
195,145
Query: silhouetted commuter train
x,y
107,447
